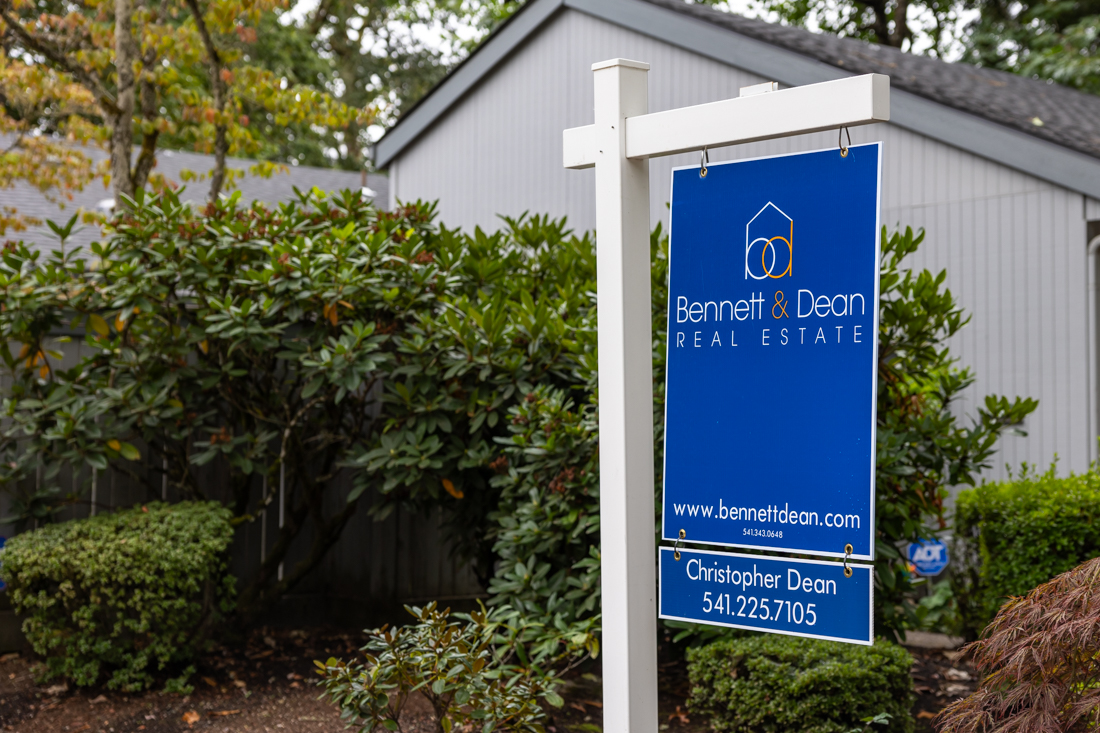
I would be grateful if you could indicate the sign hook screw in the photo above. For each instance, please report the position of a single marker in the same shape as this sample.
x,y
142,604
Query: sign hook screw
x,y
676,547
704,161
847,554
843,148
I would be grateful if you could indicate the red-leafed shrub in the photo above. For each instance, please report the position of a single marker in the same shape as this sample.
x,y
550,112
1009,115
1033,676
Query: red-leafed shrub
x,y
1041,662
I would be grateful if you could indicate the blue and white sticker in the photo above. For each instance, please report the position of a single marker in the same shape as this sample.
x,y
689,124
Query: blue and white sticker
x,y
928,558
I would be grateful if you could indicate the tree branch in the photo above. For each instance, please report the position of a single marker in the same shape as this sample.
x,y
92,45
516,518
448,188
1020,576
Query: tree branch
x,y
217,84
55,55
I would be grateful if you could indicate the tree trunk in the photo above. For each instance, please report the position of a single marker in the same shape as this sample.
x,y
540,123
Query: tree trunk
x,y
122,136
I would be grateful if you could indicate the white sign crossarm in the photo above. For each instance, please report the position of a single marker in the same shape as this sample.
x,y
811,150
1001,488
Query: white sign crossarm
x,y
849,102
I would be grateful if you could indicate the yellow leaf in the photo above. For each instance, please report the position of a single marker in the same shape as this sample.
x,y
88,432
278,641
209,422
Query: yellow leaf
x,y
450,487
98,324
114,445
330,314
44,371
205,346
347,305
119,322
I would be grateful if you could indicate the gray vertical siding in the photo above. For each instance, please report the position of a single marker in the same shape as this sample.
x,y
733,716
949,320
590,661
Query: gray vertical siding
x,y
1013,245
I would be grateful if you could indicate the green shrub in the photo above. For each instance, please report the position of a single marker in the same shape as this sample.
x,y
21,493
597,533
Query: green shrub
x,y
776,684
124,595
463,664
1014,535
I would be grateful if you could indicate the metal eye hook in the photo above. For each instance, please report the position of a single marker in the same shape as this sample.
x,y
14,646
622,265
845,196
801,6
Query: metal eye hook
x,y
843,149
704,160
848,547
676,547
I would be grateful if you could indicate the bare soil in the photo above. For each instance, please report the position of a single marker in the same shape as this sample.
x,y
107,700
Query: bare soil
x,y
267,685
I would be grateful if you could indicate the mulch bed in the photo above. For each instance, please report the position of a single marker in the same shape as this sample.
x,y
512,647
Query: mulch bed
x,y
267,685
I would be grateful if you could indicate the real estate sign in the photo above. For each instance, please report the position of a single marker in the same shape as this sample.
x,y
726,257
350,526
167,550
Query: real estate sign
x,y
772,344
783,596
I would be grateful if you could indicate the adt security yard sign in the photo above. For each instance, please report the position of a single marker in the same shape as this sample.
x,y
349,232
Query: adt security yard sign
x,y
928,558
796,597
772,343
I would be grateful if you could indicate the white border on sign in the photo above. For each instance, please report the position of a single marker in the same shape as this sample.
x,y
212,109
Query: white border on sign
x,y
870,597
874,364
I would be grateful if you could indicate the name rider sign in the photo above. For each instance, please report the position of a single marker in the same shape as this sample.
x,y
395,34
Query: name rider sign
x,y
772,343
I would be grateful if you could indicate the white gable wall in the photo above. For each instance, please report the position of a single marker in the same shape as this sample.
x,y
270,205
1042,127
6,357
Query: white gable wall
x,y
1013,245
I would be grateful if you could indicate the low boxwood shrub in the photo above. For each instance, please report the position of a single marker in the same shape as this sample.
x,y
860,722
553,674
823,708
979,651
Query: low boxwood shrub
x,y
123,596
1014,535
781,684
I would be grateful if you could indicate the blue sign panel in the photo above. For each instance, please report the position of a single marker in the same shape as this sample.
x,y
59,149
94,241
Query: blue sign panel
x,y
772,343
795,597
927,558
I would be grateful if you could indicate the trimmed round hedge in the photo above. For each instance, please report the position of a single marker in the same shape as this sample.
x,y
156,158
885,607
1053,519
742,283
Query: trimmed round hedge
x,y
126,595
786,684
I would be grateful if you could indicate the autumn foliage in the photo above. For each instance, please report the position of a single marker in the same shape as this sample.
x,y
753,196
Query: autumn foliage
x,y
1041,661
131,77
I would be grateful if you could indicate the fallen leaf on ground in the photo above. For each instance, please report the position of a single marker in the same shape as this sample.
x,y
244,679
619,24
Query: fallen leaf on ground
x,y
293,676
957,674
98,700
680,715
924,714
209,681
9,657
190,717
240,683
57,689
593,703
225,712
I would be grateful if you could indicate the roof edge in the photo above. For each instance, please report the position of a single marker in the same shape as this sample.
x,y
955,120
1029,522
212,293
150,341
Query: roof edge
x,y
463,78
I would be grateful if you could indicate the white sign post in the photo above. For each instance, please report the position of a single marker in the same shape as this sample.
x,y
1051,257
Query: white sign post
x,y
619,145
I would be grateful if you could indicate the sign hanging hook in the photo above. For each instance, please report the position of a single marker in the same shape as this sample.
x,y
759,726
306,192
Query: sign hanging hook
x,y
676,547
704,160
843,149
847,547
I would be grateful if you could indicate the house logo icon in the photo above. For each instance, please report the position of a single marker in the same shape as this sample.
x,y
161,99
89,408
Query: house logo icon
x,y
769,248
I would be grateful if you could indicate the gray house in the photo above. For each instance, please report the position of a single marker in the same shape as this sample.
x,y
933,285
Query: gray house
x,y
1001,171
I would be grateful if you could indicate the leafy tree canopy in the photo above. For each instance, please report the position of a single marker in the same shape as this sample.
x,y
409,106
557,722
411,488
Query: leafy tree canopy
x,y
122,74
1048,39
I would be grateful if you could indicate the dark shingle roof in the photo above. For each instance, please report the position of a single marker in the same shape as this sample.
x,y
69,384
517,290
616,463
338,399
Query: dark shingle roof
x,y
280,187
1069,118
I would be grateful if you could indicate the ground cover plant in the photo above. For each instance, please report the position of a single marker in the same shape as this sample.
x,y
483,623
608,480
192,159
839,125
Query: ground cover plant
x,y
1011,536
126,597
1039,660
778,684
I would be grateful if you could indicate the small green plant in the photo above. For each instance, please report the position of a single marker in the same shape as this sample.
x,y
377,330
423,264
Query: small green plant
x,y
1039,662
462,664
125,596
1011,536
783,684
